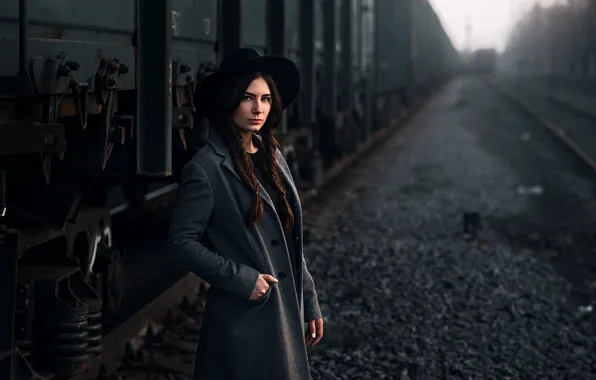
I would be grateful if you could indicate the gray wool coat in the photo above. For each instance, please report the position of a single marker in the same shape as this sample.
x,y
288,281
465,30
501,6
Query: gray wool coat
x,y
242,339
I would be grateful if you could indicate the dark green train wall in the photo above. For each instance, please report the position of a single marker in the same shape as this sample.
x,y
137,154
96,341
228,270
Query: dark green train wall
x,y
352,55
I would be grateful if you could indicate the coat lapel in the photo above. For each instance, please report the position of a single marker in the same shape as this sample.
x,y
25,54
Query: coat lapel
x,y
287,177
266,197
222,150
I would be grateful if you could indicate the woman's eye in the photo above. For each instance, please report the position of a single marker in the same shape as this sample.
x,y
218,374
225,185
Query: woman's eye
x,y
267,99
246,97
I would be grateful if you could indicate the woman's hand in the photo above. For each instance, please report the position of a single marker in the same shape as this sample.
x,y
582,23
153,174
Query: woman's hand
x,y
314,333
261,286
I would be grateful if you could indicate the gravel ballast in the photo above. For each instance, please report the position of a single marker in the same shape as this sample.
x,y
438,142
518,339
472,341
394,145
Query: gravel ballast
x,y
407,295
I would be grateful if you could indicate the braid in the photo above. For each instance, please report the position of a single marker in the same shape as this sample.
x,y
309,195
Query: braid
x,y
246,171
271,145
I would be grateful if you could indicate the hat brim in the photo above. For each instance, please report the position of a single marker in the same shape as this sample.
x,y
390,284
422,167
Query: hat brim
x,y
282,70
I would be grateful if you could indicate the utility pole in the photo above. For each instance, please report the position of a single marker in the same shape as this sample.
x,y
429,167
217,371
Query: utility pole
x,y
468,38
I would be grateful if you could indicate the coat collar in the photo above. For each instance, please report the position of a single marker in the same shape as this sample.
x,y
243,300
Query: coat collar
x,y
220,148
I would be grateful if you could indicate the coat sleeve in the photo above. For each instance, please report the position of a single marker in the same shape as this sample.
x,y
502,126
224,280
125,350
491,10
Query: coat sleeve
x,y
189,221
312,309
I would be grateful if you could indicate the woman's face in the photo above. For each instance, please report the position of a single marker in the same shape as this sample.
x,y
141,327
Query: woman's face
x,y
254,108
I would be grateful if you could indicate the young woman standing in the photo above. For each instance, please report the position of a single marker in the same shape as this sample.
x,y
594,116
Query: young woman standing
x,y
238,225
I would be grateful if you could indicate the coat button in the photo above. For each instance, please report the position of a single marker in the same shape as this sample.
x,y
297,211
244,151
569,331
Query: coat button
x,y
275,242
281,275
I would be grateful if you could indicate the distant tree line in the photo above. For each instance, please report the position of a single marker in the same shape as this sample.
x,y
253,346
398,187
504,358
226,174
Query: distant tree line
x,y
559,39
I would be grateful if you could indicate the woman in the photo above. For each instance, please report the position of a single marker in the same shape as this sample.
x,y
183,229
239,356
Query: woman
x,y
238,224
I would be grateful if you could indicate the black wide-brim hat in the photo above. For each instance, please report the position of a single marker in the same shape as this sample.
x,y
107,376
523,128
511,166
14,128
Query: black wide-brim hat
x,y
282,70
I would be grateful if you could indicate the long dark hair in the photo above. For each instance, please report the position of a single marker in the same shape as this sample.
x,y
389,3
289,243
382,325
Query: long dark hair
x,y
230,96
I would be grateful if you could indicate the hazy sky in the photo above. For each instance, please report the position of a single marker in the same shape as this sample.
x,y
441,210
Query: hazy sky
x,y
490,20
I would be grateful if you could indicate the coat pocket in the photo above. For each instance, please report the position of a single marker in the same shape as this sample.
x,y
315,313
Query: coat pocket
x,y
264,298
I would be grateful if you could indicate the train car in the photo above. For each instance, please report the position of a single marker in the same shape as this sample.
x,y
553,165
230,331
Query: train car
x,y
96,122
413,56
483,61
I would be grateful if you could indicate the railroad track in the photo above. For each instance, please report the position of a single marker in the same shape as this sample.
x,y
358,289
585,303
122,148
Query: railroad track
x,y
573,107
565,132
160,339
557,100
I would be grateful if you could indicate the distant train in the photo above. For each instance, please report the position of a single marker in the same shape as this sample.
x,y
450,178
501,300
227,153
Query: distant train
x,y
483,61
96,122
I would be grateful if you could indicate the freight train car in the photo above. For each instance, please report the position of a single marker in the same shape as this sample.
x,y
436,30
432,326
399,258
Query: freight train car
x,y
96,122
413,55
483,61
